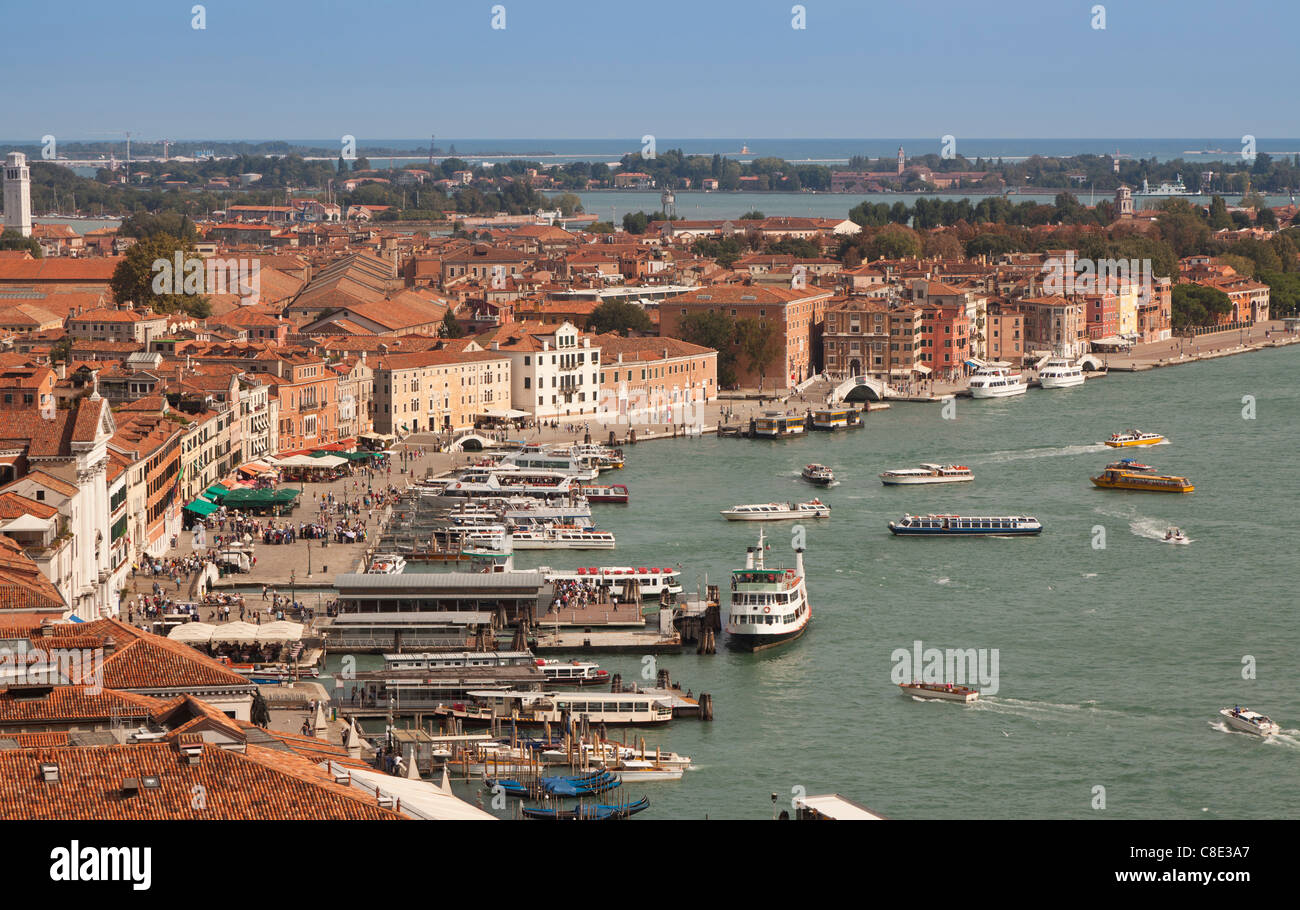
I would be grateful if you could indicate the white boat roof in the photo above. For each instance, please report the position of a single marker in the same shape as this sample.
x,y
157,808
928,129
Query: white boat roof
x,y
837,807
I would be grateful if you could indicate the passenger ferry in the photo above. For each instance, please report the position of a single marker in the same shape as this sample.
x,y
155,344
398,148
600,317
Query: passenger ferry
x,y
966,526
769,607
521,510
1133,438
836,418
1059,373
777,511
573,673
773,425
940,691
995,380
818,474
386,564
539,708
561,537
1130,476
1248,721
649,582
928,473
600,457
610,493
498,482
457,660
537,458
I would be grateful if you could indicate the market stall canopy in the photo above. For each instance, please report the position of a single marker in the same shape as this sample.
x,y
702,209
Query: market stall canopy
x,y
255,467
236,633
237,498
201,506
327,461
297,461
192,633
281,631
216,490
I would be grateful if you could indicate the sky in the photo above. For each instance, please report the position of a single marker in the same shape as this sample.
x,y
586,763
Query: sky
x,y
577,69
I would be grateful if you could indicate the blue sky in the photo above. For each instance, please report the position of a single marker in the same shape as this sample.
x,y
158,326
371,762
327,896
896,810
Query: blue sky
x,y
706,68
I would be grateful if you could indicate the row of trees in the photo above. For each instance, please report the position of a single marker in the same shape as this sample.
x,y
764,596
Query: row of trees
x,y
755,340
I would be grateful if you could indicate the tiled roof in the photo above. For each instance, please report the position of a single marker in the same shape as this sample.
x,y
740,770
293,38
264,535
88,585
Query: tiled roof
x,y
71,703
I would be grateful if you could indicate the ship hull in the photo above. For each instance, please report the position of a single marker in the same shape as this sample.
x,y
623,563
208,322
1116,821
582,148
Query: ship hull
x,y
1000,392
754,643
912,481
966,532
1140,487
1060,382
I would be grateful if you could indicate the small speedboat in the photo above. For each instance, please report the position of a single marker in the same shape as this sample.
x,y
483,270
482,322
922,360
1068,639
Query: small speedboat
x,y
386,564
1247,721
1175,535
818,474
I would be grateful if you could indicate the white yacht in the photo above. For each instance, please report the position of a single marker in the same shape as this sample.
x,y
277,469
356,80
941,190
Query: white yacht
x,y
573,673
499,482
996,380
769,607
1059,373
777,511
928,473
537,458
1248,721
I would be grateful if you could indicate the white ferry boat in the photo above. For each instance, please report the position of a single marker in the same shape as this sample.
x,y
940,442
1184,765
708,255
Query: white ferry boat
x,y
457,660
538,708
520,510
940,691
769,607
537,458
996,380
966,526
602,458
1059,373
494,538
1177,188
1248,721
647,581
777,511
561,537
498,482
928,473
1131,438
818,474
386,564
573,673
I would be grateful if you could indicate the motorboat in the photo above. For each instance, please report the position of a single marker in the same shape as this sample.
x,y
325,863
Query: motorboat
x,y
777,511
940,691
386,564
1130,438
1175,535
928,473
1248,721
818,474
966,526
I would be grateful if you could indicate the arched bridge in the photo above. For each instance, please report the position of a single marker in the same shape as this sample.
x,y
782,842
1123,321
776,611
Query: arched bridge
x,y
862,388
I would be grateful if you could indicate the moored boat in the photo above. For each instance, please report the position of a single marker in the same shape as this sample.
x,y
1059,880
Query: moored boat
x,y
1130,438
928,473
836,418
386,564
773,425
940,691
585,812
572,672
777,511
610,493
1248,721
1059,373
561,537
996,380
966,526
645,582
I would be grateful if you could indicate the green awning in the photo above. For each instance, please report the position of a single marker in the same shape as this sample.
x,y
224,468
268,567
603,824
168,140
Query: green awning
x,y
237,498
216,490
201,506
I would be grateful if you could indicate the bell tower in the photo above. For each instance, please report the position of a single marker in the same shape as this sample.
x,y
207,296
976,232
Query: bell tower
x,y
900,161
18,194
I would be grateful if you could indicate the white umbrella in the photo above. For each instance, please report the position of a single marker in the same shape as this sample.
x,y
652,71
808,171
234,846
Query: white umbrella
x,y
192,633
237,632
280,631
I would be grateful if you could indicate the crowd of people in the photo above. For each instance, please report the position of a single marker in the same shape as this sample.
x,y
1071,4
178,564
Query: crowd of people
x,y
575,594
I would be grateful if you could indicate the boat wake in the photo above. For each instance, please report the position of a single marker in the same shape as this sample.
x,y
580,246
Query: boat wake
x,y
1022,454
945,580
1040,710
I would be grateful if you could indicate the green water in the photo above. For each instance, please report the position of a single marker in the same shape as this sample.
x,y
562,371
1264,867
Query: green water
x,y
1113,662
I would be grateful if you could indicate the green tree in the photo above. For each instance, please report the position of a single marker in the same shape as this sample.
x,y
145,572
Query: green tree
x,y
635,222
450,327
151,263
753,216
1283,293
1195,305
14,240
619,316
1219,219
716,331
894,242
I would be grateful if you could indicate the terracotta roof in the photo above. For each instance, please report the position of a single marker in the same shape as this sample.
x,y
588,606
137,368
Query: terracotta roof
x,y
71,703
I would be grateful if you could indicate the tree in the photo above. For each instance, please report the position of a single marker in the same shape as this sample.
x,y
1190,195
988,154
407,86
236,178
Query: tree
x,y
894,242
718,332
14,240
619,316
1196,305
1219,218
147,276
450,327
362,163
1283,293
635,222
753,216
761,345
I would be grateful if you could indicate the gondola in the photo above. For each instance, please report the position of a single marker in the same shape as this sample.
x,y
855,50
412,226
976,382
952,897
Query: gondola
x,y
590,813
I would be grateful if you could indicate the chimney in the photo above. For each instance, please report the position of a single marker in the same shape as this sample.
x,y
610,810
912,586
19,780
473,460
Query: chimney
x,y
49,772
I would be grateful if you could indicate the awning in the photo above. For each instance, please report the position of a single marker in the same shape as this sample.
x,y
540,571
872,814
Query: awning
x,y
238,498
236,632
216,490
504,413
255,467
281,631
924,371
201,506
192,633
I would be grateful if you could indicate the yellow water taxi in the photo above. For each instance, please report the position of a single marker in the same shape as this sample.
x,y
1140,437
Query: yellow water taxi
x,y
1129,475
1133,438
